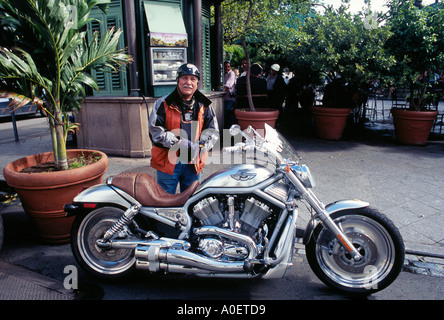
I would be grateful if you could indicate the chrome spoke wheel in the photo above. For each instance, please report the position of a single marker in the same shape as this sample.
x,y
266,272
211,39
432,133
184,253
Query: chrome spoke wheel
x,y
372,242
101,261
374,237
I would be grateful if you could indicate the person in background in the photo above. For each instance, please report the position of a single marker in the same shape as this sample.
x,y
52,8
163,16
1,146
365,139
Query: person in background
x,y
258,88
276,88
244,64
230,94
182,127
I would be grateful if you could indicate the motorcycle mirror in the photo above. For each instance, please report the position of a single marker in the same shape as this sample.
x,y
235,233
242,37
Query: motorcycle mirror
x,y
235,129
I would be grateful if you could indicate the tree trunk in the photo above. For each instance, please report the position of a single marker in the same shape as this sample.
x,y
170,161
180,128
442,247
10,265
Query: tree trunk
x,y
60,157
247,56
248,81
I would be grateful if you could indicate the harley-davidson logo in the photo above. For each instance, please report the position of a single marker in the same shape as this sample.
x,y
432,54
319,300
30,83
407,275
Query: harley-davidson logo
x,y
243,175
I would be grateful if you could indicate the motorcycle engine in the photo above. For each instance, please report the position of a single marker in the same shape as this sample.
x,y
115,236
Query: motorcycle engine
x,y
244,215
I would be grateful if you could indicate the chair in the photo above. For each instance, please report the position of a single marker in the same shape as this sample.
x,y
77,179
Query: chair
x,y
438,122
372,107
399,99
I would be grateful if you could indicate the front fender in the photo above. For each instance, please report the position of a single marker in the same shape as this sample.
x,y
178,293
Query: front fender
x,y
332,208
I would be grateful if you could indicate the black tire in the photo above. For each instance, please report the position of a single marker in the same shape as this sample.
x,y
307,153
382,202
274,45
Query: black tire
x,y
102,263
375,237
2,231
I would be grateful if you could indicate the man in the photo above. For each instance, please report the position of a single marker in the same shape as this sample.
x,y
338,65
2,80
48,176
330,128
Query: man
x,y
258,87
276,88
244,65
230,94
183,127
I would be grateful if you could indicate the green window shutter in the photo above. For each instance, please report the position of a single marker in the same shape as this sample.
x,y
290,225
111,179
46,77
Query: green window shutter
x,y
206,56
110,83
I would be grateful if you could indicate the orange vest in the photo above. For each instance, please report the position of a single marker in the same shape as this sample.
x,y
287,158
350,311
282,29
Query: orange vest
x,y
164,159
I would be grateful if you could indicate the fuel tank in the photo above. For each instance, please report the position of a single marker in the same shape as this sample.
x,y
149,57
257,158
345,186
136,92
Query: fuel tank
x,y
237,176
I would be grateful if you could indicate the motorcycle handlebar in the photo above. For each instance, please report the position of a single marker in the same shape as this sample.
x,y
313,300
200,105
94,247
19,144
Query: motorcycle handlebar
x,y
232,149
237,148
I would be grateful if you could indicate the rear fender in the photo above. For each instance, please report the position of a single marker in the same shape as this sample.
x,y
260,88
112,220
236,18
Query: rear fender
x,y
332,208
98,196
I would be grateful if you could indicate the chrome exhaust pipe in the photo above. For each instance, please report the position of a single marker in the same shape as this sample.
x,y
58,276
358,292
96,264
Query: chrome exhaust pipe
x,y
170,254
156,258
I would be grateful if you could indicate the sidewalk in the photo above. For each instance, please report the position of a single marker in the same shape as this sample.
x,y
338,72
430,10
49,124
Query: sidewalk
x,y
404,182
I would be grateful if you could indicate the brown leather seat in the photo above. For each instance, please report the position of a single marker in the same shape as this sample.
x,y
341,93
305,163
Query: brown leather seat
x,y
145,189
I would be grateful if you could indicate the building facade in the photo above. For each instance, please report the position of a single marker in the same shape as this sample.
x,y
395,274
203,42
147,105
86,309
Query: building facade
x,y
159,35
168,20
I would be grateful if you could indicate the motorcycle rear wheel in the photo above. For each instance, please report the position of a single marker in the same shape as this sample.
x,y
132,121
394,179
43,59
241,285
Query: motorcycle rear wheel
x,y
375,237
102,263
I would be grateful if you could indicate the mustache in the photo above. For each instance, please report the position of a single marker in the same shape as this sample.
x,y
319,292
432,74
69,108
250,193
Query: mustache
x,y
185,86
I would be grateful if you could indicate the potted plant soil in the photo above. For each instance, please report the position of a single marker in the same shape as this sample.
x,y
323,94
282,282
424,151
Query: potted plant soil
x,y
44,189
45,59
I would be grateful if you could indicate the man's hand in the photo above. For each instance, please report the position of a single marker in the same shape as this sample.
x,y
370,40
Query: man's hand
x,y
185,143
195,148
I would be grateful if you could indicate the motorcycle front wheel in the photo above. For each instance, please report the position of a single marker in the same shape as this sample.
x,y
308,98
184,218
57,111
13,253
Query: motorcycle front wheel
x,y
100,262
375,237
2,231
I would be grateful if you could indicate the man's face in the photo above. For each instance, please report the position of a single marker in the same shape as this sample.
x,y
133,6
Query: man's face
x,y
244,65
227,67
187,86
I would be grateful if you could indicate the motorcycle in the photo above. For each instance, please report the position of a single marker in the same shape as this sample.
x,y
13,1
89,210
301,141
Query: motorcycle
x,y
240,222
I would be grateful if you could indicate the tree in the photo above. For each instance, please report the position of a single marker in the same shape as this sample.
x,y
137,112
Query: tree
x,y
264,23
337,44
45,59
417,43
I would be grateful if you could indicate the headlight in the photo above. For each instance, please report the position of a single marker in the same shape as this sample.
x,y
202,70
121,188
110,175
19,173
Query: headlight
x,y
304,175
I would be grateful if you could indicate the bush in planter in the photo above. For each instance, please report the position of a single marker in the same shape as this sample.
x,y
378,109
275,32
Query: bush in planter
x,y
45,59
337,46
417,45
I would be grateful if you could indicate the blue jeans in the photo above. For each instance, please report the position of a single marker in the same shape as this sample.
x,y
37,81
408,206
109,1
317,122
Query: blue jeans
x,y
185,174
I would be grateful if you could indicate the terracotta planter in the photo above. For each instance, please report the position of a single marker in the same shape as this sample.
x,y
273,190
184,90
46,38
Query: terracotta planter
x,y
257,118
413,127
330,122
44,195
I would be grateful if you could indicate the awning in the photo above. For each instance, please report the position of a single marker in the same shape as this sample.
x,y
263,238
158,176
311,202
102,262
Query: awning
x,y
165,23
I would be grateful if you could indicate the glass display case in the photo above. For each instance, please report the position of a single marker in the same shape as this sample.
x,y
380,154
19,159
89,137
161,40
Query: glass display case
x,y
164,64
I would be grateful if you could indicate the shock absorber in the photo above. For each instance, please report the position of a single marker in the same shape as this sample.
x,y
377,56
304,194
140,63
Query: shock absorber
x,y
126,218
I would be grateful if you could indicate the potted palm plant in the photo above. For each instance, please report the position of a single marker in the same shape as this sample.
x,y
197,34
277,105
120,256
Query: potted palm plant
x,y
45,59
417,44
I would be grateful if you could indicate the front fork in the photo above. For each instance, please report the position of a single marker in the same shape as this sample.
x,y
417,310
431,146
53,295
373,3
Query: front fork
x,y
323,215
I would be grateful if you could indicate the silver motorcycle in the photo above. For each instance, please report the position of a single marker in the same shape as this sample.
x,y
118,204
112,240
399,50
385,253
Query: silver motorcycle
x,y
240,222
